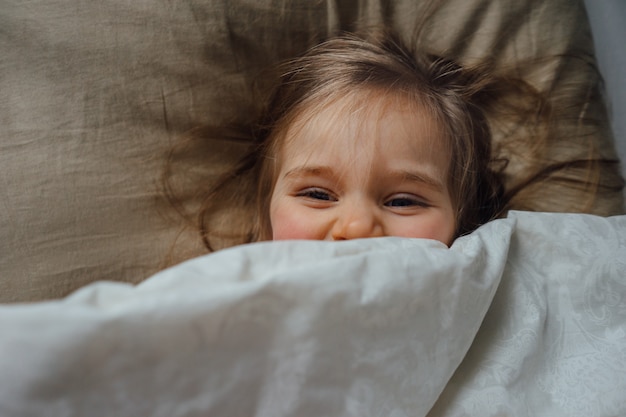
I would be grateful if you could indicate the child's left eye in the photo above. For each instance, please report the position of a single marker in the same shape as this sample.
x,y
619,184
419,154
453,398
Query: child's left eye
x,y
405,201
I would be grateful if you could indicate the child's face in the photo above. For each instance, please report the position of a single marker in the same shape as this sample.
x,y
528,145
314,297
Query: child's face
x,y
363,167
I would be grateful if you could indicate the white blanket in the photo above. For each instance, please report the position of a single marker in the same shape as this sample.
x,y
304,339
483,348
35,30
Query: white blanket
x,y
375,327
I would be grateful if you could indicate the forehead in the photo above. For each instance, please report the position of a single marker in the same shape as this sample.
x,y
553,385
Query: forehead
x,y
365,123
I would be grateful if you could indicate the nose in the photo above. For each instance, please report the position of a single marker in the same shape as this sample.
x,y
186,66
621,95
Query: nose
x,y
355,221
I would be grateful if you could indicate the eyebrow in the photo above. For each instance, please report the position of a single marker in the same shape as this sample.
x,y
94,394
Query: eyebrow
x,y
417,176
310,170
401,175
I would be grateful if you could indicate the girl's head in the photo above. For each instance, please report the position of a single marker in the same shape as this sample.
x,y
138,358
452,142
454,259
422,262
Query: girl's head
x,y
365,138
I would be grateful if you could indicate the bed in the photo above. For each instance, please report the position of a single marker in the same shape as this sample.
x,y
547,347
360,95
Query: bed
x,y
111,307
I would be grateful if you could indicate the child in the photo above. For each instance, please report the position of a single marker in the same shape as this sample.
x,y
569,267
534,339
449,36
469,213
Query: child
x,y
363,137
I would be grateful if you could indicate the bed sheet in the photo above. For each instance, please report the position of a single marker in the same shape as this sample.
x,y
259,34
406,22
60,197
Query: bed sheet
x,y
360,328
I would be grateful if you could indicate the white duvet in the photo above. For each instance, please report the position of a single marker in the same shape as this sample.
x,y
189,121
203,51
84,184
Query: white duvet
x,y
524,317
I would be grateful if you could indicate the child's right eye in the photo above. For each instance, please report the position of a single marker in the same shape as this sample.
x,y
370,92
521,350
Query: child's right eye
x,y
317,194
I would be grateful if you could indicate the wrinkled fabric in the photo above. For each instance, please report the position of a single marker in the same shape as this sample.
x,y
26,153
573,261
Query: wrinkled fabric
x,y
523,317
95,94
554,340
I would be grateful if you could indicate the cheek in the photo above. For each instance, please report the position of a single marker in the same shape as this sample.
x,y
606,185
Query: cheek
x,y
443,232
288,223
436,226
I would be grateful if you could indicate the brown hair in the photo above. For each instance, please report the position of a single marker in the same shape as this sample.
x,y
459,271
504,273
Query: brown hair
x,y
450,93
464,100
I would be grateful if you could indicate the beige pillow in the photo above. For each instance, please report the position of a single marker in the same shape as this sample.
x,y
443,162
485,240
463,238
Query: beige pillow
x,y
94,94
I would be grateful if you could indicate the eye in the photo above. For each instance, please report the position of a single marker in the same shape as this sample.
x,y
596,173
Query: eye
x,y
317,194
404,200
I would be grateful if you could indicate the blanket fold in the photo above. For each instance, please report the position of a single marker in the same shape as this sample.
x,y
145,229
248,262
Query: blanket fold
x,y
366,327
